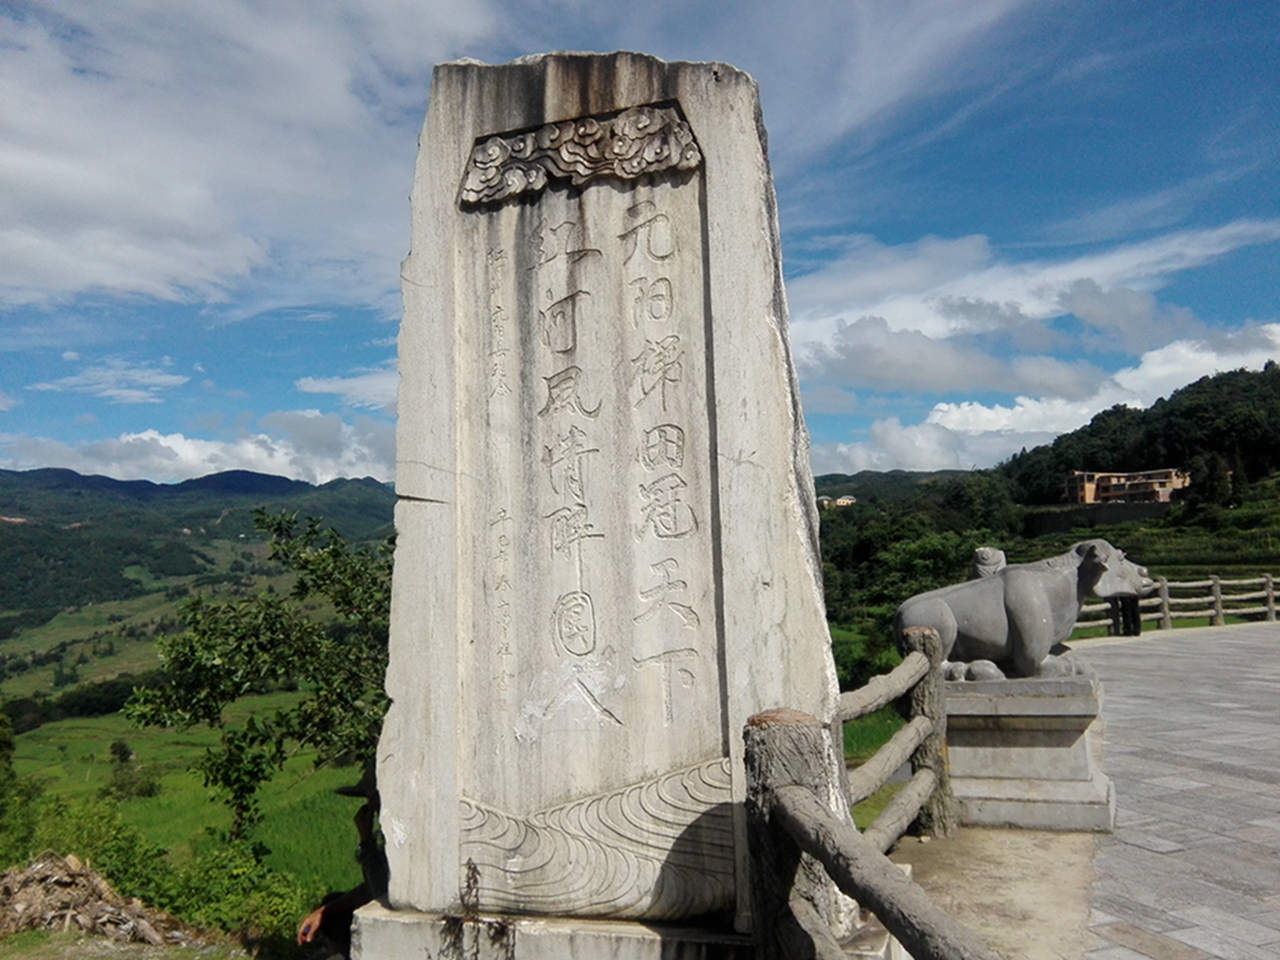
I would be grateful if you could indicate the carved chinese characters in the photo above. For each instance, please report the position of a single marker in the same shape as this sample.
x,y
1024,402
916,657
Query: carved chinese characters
x,y
606,556
599,621
612,464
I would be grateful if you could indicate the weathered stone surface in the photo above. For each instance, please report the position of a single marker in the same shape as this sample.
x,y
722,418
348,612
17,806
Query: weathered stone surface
x,y
639,141
1015,615
980,670
986,561
1026,753
406,933
607,551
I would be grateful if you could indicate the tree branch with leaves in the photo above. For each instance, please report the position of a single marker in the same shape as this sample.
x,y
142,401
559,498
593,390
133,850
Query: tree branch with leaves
x,y
335,654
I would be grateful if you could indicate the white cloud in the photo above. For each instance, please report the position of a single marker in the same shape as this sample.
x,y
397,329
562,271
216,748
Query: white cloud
x,y
1130,319
332,449
38,328
966,434
1156,210
181,151
1158,373
923,446
373,389
327,438
117,380
867,354
261,154
1069,379
1050,416
931,285
1167,368
6,402
869,275
70,356
868,61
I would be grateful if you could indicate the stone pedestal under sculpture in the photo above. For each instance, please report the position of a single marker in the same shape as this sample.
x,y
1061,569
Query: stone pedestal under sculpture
x,y
607,555
1027,753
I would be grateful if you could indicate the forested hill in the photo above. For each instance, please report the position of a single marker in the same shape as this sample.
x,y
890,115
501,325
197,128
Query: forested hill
x,y
884,485
221,503
1219,426
68,539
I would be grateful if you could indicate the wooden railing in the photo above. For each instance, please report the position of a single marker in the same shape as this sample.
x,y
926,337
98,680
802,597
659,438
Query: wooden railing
x,y
795,837
1173,600
923,741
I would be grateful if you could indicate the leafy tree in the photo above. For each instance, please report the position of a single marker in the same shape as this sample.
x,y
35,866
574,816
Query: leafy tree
x,y
6,752
18,815
64,675
1234,416
334,652
979,500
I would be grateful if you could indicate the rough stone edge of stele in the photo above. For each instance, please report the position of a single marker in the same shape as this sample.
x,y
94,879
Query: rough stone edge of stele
x,y
799,439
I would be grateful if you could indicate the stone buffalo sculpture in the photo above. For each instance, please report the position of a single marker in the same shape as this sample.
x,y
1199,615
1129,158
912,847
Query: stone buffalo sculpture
x,y
1008,621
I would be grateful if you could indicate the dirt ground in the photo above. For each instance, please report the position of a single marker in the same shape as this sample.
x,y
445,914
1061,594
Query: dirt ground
x,y
1026,892
33,945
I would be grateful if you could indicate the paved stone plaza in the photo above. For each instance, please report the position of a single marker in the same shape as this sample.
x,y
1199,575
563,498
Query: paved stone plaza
x,y
1193,746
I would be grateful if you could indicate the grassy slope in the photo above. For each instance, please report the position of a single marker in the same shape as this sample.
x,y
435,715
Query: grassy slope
x,y
306,826
114,619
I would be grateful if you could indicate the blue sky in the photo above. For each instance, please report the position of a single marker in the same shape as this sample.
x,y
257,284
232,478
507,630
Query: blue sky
x,y
998,217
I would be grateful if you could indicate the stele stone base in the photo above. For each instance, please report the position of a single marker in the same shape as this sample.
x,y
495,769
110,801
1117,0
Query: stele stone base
x,y
380,932
1026,753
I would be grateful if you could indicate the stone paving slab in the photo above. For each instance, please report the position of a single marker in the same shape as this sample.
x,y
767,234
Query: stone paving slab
x,y
1193,746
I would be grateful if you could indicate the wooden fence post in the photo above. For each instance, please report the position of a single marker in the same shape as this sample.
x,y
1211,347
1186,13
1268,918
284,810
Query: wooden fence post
x,y
790,893
1217,619
928,699
1166,620
1270,587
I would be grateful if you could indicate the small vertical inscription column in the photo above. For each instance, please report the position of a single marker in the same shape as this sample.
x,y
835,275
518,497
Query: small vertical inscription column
x,y
667,386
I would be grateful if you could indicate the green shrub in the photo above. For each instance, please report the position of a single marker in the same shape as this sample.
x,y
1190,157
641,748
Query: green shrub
x,y
95,832
225,887
129,780
17,802
863,650
229,888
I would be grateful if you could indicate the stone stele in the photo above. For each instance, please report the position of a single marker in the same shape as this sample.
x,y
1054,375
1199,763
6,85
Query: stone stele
x,y
607,555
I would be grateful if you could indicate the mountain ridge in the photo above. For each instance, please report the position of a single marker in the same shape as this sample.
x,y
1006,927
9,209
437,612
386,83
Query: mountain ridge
x,y
71,539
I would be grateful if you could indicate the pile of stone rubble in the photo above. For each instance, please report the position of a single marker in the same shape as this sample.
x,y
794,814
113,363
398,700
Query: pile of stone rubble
x,y
55,892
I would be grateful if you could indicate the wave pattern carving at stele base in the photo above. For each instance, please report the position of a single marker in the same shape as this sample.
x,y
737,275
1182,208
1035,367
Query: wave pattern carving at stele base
x,y
661,849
